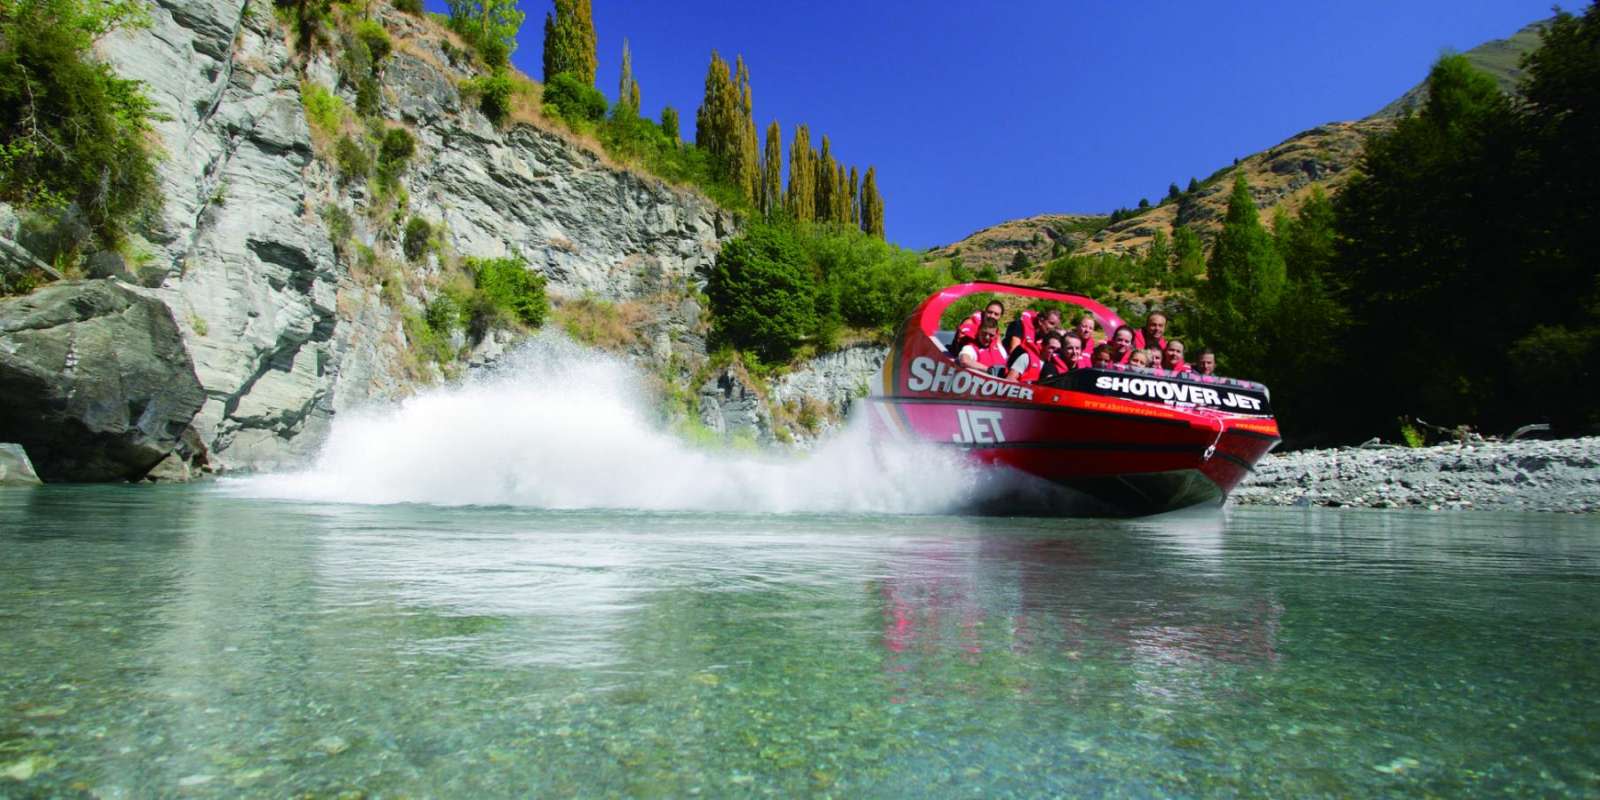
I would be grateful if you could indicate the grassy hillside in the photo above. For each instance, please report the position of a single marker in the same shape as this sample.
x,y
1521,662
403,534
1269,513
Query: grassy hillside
x,y
1283,175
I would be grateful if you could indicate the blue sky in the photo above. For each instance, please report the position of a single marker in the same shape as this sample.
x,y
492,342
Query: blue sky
x,y
979,112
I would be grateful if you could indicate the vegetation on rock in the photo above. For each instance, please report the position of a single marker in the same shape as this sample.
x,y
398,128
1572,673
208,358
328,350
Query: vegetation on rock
x,y
72,134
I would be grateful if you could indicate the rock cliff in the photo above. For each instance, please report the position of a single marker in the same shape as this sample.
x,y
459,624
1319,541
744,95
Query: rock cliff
x,y
285,327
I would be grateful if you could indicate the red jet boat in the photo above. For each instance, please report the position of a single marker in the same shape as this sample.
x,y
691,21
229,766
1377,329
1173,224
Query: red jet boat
x,y
1121,442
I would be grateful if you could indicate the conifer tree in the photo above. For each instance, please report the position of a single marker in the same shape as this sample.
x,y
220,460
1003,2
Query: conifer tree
x,y
802,196
1245,280
569,40
772,172
871,204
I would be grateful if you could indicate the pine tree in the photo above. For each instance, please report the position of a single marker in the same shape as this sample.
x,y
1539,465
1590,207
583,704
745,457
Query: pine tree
x,y
1190,256
1245,280
569,41
772,172
802,198
871,204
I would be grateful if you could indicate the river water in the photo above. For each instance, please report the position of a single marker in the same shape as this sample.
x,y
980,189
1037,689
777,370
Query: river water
x,y
489,622
183,641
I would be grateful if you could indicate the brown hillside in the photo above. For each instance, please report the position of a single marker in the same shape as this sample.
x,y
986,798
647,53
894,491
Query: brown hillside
x,y
1283,175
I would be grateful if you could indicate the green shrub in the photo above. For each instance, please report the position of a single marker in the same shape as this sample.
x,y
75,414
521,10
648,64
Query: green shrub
x,y
763,294
494,95
369,97
412,7
394,151
71,131
354,163
417,234
573,99
511,288
340,224
324,110
372,34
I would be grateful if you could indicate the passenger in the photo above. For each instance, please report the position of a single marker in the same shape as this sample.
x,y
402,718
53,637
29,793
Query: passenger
x,y
1030,327
983,353
1122,345
1155,326
1101,359
1071,350
1138,359
968,329
1206,363
1153,356
1172,357
1085,330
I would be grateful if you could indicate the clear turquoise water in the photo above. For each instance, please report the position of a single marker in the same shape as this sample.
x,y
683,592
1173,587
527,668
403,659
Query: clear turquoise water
x,y
179,642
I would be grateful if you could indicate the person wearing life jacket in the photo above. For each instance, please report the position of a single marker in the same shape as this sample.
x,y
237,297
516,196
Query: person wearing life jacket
x,y
1101,358
1122,345
984,353
1155,326
1205,363
1057,368
1172,357
1030,325
1085,330
968,329
1031,361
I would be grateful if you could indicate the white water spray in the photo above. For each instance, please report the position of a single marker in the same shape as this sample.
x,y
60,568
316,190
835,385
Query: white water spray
x,y
561,426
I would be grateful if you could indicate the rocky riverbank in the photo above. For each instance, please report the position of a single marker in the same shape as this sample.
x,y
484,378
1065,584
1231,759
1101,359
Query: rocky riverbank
x,y
1559,476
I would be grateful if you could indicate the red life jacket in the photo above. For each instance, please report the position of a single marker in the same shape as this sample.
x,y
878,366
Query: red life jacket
x,y
968,329
992,356
1138,342
1178,367
1030,374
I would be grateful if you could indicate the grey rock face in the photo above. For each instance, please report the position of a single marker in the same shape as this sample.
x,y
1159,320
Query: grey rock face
x,y
283,331
836,379
15,468
731,407
94,380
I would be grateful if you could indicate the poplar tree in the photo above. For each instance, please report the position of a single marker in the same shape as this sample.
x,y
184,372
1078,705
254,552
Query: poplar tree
x,y
627,90
802,199
669,123
569,40
711,122
772,172
871,204
747,173
824,183
841,195
854,213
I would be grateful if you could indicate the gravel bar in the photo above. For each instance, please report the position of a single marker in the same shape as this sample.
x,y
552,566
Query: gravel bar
x,y
1558,476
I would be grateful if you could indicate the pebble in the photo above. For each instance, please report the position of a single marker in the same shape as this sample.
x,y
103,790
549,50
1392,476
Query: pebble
x,y
1397,477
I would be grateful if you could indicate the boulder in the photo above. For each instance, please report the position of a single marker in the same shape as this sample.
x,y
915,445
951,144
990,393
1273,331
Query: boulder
x,y
94,380
15,468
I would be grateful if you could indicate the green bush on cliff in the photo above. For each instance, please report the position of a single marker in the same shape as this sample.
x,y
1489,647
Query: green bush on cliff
x,y
71,131
494,93
511,288
574,100
763,293
418,232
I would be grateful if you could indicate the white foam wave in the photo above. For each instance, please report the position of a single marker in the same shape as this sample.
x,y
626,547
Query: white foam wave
x,y
564,427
